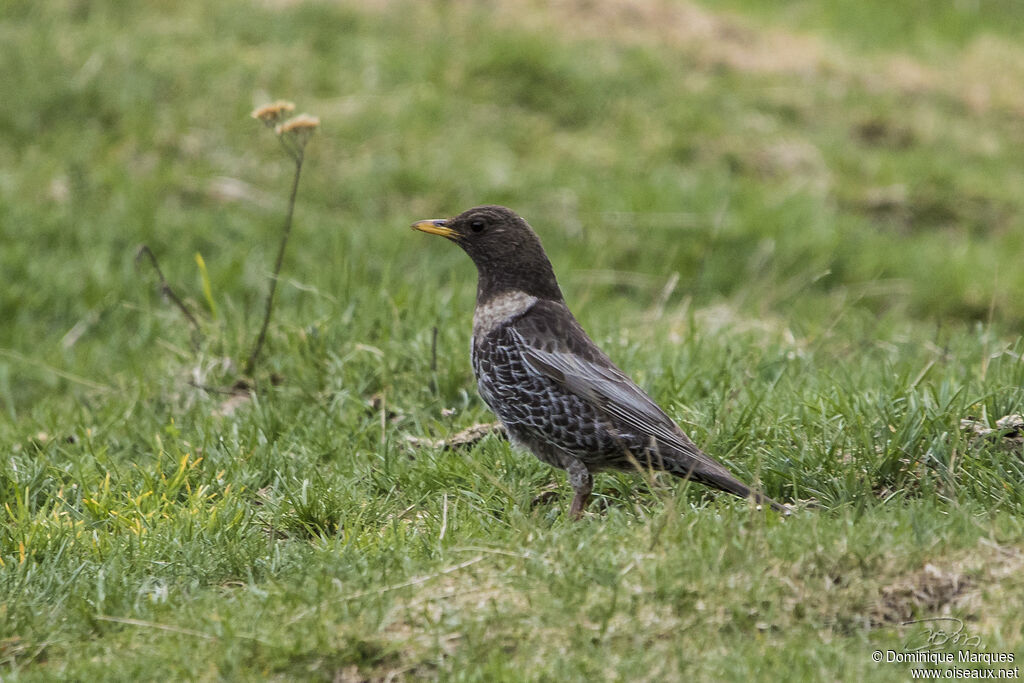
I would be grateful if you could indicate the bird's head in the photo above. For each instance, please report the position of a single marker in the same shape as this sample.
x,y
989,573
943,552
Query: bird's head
x,y
507,252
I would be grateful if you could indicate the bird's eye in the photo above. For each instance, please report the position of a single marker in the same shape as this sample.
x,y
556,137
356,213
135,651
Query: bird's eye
x,y
476,225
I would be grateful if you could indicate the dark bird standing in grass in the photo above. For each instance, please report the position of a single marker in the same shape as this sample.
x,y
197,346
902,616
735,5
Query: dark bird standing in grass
x,y
555,391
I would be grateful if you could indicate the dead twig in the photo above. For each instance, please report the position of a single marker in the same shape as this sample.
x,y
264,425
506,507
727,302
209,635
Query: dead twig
x,y
464,439
160,627
166,290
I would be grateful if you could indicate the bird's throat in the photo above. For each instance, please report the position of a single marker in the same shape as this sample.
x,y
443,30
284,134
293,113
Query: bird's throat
x,y
499,310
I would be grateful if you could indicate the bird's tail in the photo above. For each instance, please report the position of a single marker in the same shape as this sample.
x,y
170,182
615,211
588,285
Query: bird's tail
x,y
732,485
708,472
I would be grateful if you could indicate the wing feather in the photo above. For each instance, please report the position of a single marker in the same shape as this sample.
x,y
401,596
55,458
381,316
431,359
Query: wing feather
x,y
570,359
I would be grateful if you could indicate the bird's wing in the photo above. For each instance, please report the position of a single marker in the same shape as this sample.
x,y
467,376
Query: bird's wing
x,y
555,345
568,357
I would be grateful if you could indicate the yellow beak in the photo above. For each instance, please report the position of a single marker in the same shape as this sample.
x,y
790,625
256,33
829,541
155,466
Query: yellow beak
x,y
436,226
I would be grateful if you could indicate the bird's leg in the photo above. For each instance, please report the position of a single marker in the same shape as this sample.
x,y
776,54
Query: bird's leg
x,y
582,482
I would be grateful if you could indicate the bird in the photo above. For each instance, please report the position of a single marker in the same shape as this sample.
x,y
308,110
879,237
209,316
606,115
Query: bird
x,y
554,390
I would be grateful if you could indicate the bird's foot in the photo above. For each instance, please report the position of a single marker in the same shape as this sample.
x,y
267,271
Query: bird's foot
x,y
579,502
582,482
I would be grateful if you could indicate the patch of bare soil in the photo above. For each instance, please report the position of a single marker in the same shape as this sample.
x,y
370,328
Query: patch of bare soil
x,y
985,75
931,591
939,590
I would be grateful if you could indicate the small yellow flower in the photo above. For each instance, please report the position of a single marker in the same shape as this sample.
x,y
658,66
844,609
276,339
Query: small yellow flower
x,y
296,132
271,113
298,124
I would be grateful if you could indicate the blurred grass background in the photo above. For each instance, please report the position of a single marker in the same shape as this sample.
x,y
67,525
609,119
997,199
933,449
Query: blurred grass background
x,y
799,224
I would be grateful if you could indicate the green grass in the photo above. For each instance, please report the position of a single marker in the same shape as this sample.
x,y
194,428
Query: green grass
x,y
810,256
